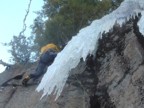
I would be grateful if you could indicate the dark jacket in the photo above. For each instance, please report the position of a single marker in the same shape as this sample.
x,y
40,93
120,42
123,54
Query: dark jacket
x,y
46,59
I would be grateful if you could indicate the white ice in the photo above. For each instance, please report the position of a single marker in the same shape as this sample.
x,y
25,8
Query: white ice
x,y
84,43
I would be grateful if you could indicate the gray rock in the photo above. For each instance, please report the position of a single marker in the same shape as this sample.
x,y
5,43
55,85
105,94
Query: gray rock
x,y
115,81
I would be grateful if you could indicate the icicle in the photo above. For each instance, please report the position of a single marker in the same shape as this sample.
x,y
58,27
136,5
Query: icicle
x,y
85,42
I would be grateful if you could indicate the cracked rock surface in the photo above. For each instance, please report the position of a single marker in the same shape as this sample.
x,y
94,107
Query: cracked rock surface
x,y
114,79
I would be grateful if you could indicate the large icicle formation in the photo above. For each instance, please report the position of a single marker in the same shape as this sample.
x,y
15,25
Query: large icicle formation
x,y
85,42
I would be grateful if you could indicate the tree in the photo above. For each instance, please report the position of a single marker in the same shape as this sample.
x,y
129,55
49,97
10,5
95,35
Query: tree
x,y
21,49
66,17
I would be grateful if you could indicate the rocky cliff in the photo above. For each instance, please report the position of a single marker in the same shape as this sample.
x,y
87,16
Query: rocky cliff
x,y
114,79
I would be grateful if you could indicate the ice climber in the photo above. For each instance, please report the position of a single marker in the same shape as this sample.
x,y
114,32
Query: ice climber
x,y
48,54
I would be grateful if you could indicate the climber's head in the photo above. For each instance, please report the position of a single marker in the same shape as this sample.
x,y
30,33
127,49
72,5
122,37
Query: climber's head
x,y
49,46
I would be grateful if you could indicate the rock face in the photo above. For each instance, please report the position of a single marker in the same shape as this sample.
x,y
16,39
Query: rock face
x,y
113,80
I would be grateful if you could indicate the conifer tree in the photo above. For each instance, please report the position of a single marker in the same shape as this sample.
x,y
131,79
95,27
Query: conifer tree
x,y
66,17
20,49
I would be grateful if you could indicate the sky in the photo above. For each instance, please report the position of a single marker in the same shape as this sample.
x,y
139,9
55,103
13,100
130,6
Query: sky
x,y
12,13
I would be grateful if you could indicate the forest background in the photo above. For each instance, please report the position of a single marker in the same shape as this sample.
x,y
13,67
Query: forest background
x,y
57,22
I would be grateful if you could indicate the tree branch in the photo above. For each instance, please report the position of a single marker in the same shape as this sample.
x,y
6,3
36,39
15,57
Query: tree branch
x,y
5,64
24,20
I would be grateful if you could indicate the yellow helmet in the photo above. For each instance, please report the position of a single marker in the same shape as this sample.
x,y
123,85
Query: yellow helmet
x,y
49,46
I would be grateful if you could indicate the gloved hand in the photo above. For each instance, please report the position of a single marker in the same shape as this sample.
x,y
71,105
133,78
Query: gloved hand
x,y
25,80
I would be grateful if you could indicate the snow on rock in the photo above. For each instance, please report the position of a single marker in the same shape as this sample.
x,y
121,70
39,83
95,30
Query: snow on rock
x,y
84,43
141,23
